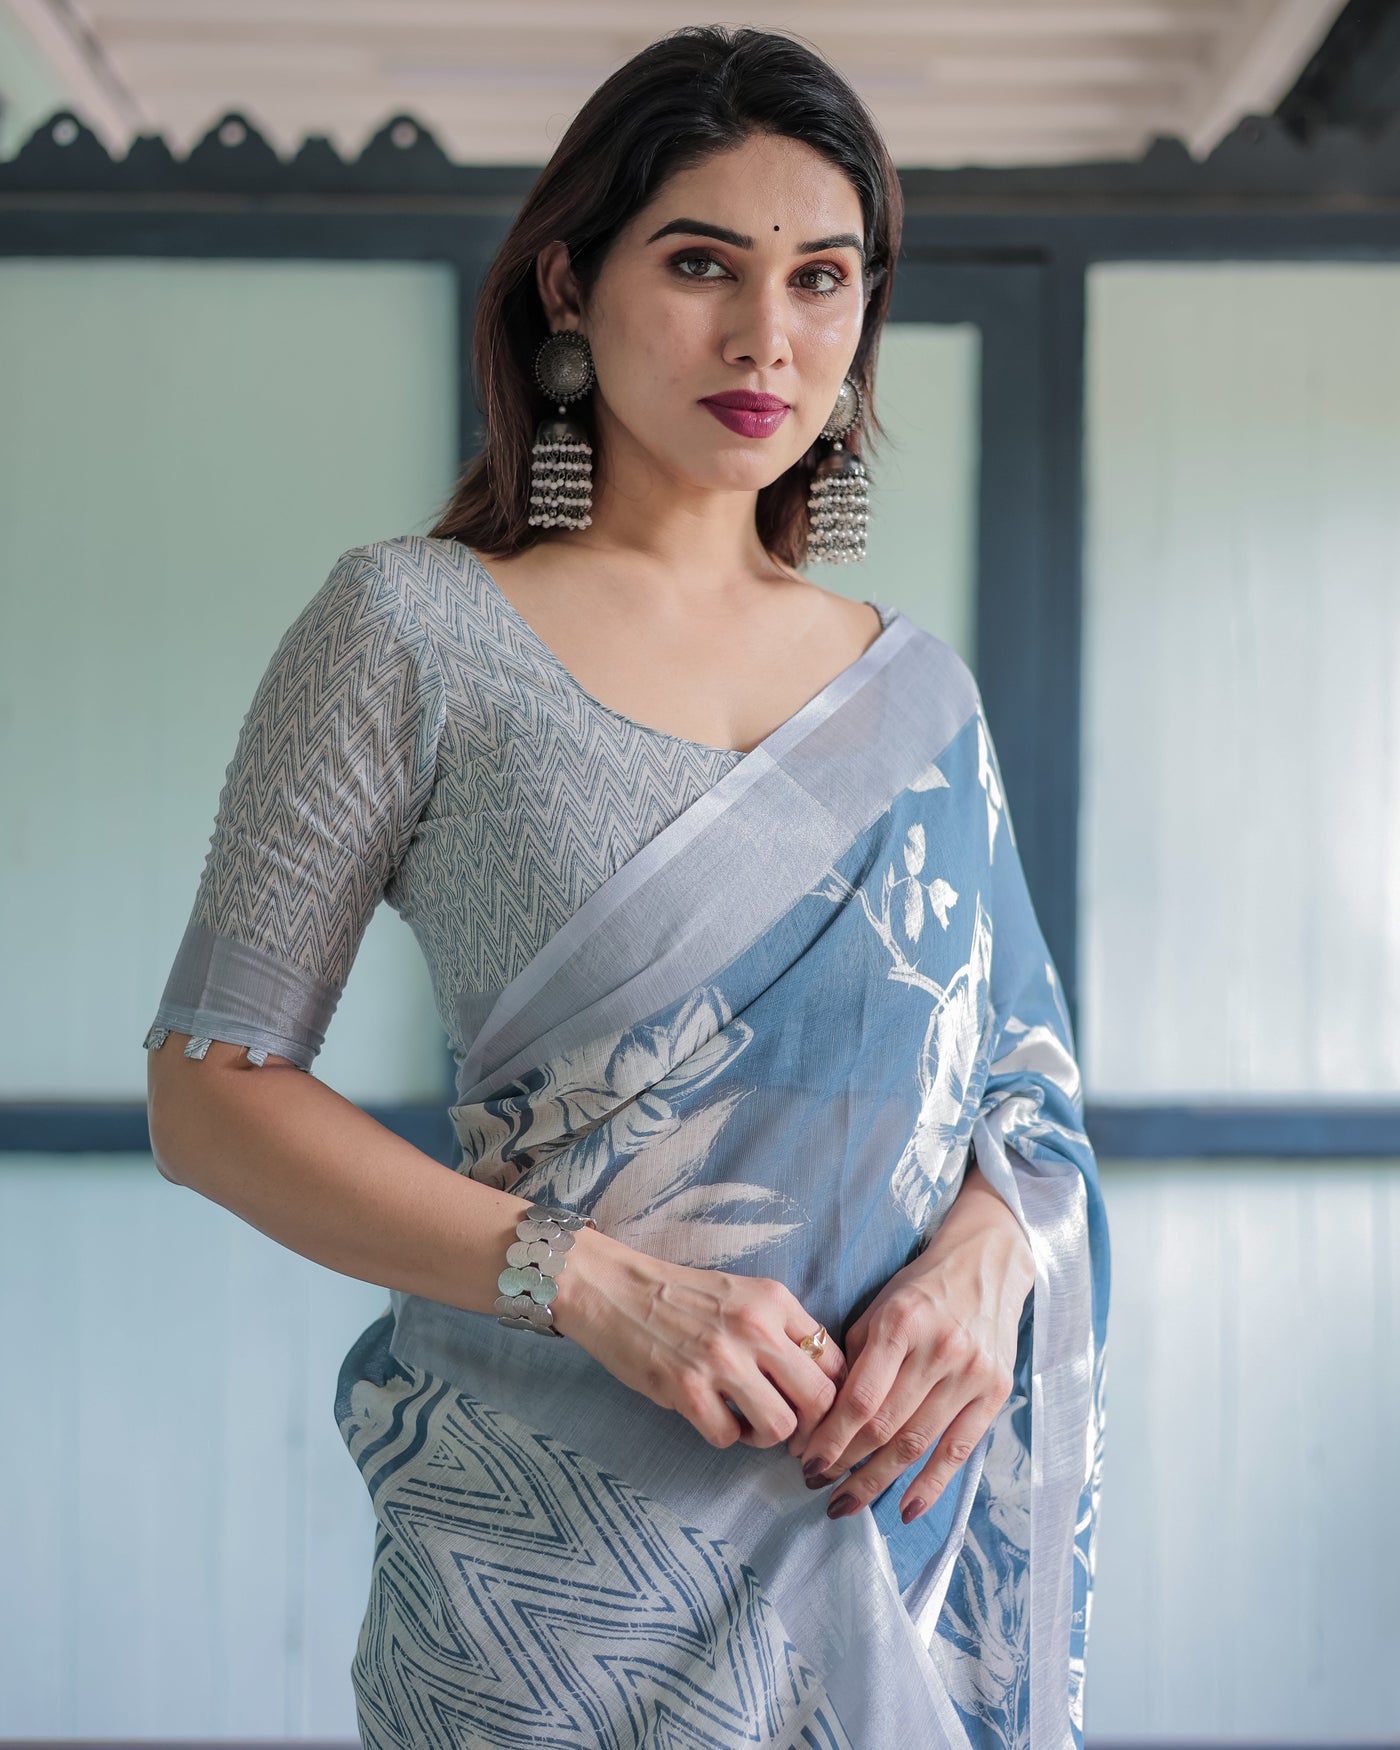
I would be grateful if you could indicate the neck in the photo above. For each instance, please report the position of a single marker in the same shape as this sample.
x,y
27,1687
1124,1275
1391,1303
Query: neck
x,y
689,540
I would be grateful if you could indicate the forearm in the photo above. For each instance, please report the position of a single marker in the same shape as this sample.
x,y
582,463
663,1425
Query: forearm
x,y
311,1170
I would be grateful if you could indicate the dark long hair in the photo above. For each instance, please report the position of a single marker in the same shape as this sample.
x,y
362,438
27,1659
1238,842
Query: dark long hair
x,y
699,90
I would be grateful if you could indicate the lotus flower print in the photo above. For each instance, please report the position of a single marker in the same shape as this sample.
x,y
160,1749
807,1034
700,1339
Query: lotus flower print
x,y
616,1130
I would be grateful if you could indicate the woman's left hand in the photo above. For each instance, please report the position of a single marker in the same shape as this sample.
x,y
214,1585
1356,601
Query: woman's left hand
x,y
930,1360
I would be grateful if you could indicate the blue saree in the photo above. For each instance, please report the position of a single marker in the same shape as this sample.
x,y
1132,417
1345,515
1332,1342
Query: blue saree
x,y
769,1043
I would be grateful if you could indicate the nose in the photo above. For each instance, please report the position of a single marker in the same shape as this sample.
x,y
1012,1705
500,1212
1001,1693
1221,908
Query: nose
x,y
759,332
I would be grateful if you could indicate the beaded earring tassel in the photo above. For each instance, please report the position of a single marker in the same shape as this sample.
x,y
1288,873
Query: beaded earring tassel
x,y
561,460
838,501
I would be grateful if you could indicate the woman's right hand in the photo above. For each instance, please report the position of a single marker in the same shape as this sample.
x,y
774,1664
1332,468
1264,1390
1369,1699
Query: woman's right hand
x,y
690,1339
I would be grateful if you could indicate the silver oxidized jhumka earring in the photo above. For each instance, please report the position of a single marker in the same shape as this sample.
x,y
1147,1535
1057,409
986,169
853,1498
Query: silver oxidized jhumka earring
x,y
838,504
561,462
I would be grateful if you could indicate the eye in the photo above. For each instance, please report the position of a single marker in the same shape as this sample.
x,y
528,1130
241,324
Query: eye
x,y
832,273
705,260
681,264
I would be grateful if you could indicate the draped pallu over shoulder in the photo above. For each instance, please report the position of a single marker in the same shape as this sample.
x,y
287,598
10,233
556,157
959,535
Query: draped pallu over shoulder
x,y
769,1043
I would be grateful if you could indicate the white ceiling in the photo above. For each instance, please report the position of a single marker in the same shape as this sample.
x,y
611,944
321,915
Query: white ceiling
x,y
950,81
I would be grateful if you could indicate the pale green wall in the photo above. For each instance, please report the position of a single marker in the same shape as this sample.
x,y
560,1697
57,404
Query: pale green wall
x,y
921,547
200,441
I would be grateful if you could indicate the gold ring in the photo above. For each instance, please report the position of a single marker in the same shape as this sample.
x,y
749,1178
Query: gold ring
x,y
815,1341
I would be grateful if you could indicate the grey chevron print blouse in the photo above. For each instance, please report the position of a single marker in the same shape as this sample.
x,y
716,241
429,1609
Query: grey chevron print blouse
x,y
412,739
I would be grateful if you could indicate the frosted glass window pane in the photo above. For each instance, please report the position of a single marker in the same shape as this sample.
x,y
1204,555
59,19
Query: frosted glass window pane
x,y
191,1563
1240,828
1216,1613
921,552
191,445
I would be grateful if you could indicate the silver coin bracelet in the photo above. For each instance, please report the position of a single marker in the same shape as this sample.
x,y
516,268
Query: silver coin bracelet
x,y
534,1262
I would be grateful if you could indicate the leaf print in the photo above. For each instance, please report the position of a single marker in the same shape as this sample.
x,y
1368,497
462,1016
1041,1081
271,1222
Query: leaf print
x,y
834,887
987,778
562,1099
638,1130
646,1181
577,1117
930,779
914,848
902,968
1041,1051
986,1658
652,1203
694,1037
913,910
949,1070
485,1134
941,896
700,1227
572,1171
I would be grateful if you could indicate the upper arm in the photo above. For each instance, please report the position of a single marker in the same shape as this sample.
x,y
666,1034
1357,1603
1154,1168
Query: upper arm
x,y
175,1082
333,765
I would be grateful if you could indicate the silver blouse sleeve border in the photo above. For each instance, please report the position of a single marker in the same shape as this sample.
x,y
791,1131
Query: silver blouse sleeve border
x,y
221,988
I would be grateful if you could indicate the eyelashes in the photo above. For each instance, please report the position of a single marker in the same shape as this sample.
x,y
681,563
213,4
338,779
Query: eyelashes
x,y
703,255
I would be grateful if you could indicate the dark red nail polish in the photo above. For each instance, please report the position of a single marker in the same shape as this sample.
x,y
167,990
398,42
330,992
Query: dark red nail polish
x,y
841,1506
813,1466
912,1511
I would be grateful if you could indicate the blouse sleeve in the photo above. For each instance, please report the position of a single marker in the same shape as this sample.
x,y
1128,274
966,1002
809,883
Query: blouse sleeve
x,y
333,766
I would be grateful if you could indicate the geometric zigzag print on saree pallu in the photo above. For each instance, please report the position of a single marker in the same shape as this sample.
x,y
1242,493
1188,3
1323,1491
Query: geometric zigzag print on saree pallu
x,y
522,1596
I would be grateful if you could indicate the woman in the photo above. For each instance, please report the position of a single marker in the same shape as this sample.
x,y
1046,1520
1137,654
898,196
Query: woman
x,y
714,874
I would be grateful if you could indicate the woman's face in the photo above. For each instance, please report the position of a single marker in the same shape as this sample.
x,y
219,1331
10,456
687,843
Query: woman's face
x,y
742,274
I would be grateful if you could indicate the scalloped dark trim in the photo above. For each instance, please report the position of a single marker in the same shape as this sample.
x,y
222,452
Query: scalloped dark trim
x,y
63,156
1261,159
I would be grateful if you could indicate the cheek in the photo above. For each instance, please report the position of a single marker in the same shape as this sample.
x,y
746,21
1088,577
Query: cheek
x,y
650,361
829,341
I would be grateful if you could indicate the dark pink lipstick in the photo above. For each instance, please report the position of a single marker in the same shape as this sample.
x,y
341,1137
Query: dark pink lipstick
x,y
748,413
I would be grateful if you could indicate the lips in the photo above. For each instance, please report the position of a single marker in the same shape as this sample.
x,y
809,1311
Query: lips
x,y
750,399
749,414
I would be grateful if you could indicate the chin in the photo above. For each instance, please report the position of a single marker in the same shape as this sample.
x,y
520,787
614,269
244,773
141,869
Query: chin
x,y
747,469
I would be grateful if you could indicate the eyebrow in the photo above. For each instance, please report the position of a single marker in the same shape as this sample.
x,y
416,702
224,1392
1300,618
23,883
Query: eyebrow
x,y
698,228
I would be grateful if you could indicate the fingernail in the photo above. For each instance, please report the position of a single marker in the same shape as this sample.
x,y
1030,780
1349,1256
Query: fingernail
x,y
818,1482
842,1505
912,1511
813,1466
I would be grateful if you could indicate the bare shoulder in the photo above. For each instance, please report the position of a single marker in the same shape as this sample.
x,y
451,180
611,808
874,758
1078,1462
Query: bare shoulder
x,y
498,564
845,618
